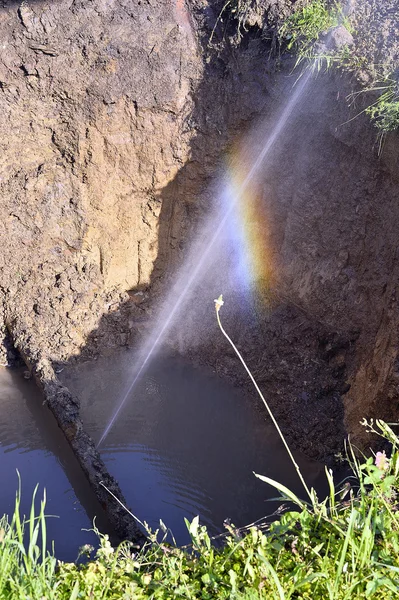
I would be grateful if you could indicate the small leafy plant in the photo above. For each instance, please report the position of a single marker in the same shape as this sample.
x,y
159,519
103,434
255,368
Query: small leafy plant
x,y
27,569
342,547
385,111
304,27
346,547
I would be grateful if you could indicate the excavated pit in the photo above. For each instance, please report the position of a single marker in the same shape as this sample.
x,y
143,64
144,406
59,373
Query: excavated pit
x,y
110,142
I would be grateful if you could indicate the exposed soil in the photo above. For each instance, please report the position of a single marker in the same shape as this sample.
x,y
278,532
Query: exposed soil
x,y
377,37
114,118
93,124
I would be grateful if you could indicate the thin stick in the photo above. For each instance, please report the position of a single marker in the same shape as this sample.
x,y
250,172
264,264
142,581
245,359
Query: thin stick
x,y
218,304
123,506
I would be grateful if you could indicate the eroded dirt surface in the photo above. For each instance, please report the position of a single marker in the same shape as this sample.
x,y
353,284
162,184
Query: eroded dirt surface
x,y
94,99
377,38
114,119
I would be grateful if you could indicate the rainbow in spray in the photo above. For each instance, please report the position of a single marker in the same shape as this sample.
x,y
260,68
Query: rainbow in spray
x,y
249,225
255,248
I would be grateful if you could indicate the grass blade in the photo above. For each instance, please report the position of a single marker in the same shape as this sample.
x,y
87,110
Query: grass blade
x,y
287,493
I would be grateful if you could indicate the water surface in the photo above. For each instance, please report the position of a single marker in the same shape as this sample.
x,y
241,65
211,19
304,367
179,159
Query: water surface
x,y
185,444
32,443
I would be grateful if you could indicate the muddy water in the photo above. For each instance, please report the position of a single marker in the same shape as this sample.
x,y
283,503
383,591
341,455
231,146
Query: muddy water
x,y
31,442
186,443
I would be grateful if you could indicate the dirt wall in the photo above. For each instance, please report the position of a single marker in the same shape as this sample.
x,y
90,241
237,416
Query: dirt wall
x,y
94,99
114,118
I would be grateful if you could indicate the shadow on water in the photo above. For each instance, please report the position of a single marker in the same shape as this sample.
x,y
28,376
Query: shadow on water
x,y
187,444
30,442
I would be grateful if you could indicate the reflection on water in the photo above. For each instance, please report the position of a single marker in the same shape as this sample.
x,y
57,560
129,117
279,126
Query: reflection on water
x,y
31,442
187,443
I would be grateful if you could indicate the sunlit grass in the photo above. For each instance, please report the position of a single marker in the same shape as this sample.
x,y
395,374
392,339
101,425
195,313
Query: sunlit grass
x,y
27,569
342,547
345,546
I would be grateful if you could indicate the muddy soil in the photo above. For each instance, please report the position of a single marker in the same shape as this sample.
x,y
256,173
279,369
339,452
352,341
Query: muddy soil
x,y
109,140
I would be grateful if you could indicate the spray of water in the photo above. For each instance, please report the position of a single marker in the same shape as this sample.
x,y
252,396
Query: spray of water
x,y
203,250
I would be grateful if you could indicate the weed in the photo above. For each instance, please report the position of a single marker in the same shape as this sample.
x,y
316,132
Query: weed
x,y
385,111
237,10
304,27
27,569
301,33
344,547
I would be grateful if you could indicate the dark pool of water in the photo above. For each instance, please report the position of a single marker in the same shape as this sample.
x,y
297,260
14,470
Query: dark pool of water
x,y
31,443
186,443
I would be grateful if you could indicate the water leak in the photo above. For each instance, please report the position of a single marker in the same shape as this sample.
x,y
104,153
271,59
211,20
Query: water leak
x,y
187,443
209,252
31,442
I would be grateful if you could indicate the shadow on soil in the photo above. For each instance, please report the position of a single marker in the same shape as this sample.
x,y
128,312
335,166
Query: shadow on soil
x,y
299,361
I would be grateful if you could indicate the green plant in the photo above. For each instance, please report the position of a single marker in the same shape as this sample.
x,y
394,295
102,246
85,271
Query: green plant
x,y
27,569
385,111
304,27
346,549
355,535
385,114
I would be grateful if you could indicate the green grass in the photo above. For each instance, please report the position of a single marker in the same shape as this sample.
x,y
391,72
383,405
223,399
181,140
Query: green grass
x,y
27,569
304,27
300,34
346,546
343,547
384,112
303,32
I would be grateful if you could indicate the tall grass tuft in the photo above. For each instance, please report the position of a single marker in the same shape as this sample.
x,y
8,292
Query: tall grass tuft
x,y
343,547
27,569
347,549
